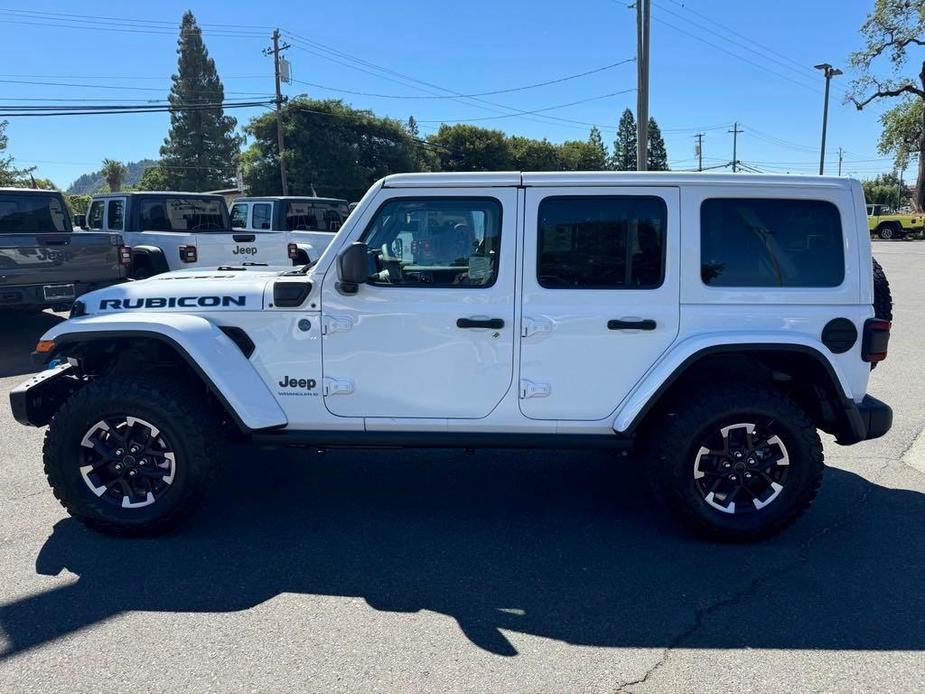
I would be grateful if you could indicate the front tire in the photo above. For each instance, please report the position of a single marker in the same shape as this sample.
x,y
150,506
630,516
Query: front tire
x,y
889,231
131,456
739,464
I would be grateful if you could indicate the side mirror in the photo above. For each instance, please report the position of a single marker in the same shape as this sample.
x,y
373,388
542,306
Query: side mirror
x,y
80,220
352,268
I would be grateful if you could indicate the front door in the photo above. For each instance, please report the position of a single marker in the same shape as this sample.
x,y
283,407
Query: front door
x,y
600,295
431,333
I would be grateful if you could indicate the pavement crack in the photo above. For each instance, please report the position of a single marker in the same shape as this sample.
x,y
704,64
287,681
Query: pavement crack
x,y
803,556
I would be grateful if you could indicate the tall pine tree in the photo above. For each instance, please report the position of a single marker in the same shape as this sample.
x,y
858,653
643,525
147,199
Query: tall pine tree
x,y
201,148
624,147
601,156
657,155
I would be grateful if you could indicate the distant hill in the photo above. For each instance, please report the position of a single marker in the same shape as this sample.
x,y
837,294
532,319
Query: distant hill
x,y
93,182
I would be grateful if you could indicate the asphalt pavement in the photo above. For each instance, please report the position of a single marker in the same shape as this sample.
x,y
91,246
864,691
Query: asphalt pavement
x,y
440,571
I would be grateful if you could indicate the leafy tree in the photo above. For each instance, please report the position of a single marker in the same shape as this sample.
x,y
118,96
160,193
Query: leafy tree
x,y
463,147
902,131
153,178
624,147
528,154
656,155
601,155
113,172
331,148
78,203
201,149
885,189
889,30
9,174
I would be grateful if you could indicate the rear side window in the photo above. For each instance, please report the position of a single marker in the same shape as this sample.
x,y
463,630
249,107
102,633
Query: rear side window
x,y
31,214
262,216
116,215
183,214
601,242
763,242
315,216
95,215
239,216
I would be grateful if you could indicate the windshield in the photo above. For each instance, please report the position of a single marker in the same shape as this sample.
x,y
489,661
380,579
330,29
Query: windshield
x,y
28,213
313,215
183,214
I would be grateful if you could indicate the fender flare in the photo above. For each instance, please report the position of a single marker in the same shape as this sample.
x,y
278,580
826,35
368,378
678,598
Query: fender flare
x,y
673,365
308,249
154,256
209,351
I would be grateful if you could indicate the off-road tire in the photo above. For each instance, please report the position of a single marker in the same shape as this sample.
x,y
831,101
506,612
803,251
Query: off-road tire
x,y
182,416
883,298
890,230
676,436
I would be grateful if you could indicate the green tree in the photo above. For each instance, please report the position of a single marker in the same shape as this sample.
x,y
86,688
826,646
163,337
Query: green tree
x,y
331,148
153,178
9,174
411,127
528,154
889,30
201,148
624,147
656,154
902,131
601,159
463,147
113,172
78,203
885,189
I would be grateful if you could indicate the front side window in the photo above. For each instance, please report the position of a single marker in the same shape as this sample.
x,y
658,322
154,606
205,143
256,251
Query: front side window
x,y
601,242
183,214
95,215
116,214
767,242
435,242
31,214
262,216
239,216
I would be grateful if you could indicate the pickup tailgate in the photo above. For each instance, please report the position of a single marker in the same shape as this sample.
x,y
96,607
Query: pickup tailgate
x,y
261,247
49,258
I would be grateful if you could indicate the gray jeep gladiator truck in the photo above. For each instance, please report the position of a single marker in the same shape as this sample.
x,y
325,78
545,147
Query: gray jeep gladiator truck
x,y
44,263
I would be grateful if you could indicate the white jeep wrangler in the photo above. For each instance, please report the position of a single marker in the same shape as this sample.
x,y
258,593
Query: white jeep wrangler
x,y
715,321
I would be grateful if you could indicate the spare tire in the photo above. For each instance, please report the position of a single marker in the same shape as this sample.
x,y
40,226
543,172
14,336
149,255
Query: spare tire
x,y
883,300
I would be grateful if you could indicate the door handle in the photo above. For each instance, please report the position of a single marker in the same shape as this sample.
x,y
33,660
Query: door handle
x,y
646,324
493,323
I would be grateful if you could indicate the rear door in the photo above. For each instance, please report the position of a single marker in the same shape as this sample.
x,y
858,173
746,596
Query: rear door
x,y
600,295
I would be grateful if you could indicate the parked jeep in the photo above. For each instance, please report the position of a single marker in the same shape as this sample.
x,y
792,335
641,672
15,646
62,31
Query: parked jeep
x,y
888,224
43,264
172,231
309,223
714,323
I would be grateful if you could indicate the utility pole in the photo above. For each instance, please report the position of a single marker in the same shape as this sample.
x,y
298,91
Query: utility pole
x,y
840,155
642,84
280,140
735,137
830,72
699,147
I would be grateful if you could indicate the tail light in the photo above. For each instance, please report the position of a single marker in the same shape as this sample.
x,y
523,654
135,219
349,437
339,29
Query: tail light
x,y
876,339
293,251
125,255
188,254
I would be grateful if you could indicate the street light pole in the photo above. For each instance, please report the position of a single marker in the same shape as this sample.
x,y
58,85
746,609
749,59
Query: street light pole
x,y
829,72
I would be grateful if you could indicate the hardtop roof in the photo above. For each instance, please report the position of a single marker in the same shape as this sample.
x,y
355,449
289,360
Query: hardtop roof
x,y
279,198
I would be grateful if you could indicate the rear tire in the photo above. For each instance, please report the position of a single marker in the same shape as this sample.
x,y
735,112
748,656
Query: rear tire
x,y
889,230
767,477
883,298
131,456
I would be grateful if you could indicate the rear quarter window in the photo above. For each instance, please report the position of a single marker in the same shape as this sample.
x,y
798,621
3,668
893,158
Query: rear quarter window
x,y
771,242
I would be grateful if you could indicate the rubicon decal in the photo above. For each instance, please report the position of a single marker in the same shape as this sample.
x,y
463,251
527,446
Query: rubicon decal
x,y
172,302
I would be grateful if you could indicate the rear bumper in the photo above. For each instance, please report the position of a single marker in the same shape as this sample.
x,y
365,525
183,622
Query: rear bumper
x,y
868,419
33,295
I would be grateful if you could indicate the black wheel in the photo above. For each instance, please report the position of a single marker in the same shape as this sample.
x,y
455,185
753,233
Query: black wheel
x,y
883,298
738,464
131,456
889,230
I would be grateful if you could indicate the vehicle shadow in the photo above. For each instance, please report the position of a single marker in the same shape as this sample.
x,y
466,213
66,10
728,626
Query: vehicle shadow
x,y
18,334
563,546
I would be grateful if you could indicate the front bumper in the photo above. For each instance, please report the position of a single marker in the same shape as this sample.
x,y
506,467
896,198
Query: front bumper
x,y
868,419
35,401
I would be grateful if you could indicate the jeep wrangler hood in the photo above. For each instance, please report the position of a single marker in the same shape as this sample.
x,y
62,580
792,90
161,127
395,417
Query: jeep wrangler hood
x,y
190,291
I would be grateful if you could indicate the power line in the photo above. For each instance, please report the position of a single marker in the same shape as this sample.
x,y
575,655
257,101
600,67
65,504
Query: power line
x,y
538,110
38,111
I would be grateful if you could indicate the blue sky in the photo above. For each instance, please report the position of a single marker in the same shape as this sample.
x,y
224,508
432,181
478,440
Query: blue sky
x,y
704,75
